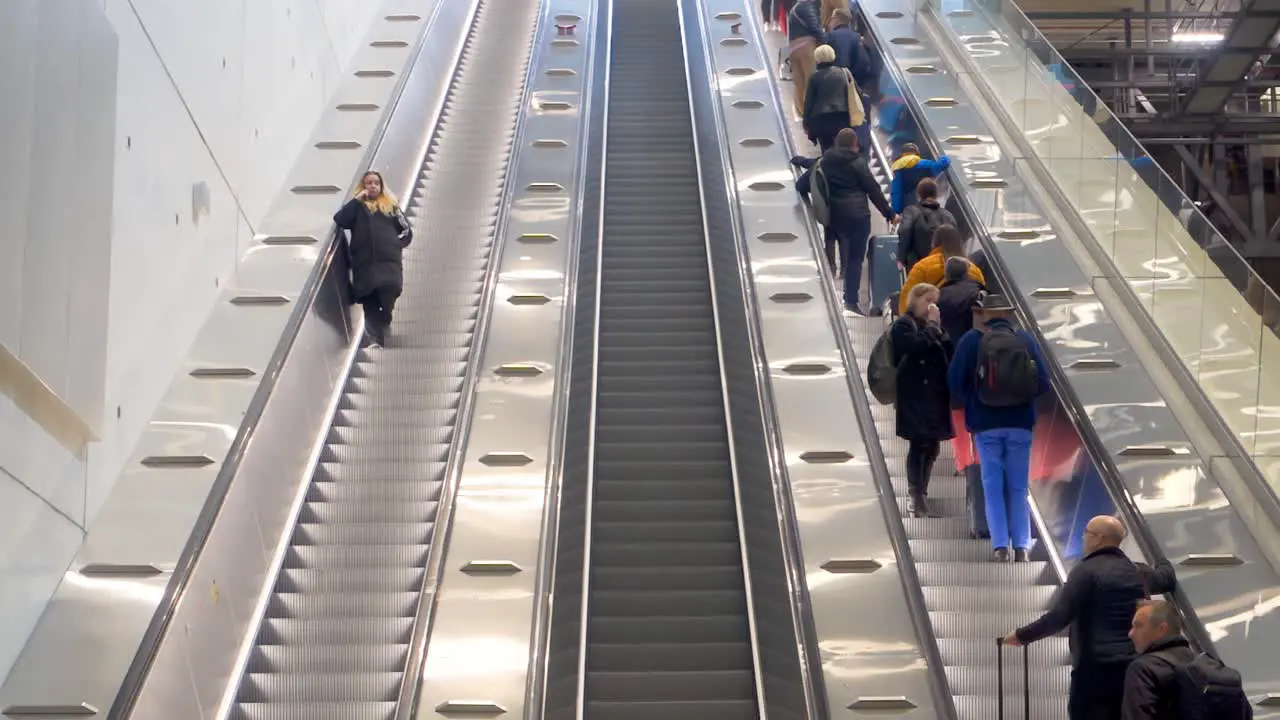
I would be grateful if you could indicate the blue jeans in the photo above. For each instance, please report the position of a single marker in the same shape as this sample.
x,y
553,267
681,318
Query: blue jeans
x,y
854,231
1005,454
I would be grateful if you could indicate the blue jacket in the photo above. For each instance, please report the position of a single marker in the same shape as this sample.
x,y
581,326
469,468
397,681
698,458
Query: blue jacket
x,y
978,417
849,50
908,171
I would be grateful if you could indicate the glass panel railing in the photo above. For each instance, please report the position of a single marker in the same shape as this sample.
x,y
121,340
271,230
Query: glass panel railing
x,y
1215,312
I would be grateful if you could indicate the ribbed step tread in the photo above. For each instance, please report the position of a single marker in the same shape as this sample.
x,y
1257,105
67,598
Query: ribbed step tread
x,y
334,640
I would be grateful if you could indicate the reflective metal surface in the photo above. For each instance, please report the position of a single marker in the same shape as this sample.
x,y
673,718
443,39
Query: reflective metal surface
x,y
479,658
85,644
867,657
1190,502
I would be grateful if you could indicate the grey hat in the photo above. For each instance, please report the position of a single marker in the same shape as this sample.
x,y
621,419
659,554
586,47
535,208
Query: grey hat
x,y
995,302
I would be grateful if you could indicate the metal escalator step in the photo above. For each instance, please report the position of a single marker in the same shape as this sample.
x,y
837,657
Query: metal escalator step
x,y
641,452
391,434
408,377
656,605
954,624
357,556
350,710
1050,652
658,553
367,511
685,684
402,579
320,633
690,355
431,386
944,506
670,657
680,489
926,550
681,578
642,418
940,488
987,599
1046,682
672,629
990,574
368,658
673,710
951,528
320,687
658,468
969,707
404,488
664,510
341,606
366,533
410,456
616,532
675,430
410,416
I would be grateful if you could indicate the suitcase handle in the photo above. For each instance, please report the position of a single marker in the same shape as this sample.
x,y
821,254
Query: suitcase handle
x,y
1026,681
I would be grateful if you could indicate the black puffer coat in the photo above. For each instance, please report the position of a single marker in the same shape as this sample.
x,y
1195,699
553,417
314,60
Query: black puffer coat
x,y
922,352
377,243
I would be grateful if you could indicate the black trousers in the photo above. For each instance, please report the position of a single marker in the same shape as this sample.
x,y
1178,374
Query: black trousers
x,y
1097,691
378,306
921,454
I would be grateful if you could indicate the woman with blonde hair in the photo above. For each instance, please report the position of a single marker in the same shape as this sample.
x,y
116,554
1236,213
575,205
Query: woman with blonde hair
x,y
379,234
922,353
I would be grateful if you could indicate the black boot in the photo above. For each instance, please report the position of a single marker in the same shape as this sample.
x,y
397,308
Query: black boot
x,y
1000,555
916,506
1021,555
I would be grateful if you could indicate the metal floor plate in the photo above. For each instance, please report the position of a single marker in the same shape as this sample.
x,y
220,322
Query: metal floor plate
x,y
334,640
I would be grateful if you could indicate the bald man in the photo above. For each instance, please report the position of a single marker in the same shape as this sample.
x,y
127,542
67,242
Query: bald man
x,y
1098,602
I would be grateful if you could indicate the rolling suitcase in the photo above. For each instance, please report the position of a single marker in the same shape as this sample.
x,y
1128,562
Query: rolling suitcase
x,y
1026,682
884,275
975,499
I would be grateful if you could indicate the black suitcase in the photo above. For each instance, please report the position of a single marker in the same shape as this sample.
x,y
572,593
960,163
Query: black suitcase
x,y
1026,681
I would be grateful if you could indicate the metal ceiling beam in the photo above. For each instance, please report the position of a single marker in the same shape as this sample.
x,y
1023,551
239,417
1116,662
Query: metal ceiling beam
x,y
1233,217
1256,25
1163,82
1266,140
1148,124
1245,55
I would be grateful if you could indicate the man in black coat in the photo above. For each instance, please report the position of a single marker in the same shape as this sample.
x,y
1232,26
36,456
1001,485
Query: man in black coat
x,y
1149,689
1098,602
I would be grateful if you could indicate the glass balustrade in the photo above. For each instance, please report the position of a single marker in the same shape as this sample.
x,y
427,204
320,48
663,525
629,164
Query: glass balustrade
x,y
1213,310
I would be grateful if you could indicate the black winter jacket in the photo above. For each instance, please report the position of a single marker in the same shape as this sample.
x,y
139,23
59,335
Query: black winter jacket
x,y
852,185
915,234
805,21
1097,602
375,249
921,350
1149,689
955,304
827,93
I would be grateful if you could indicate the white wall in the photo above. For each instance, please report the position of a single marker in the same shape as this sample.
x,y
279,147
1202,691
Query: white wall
x,y
213,100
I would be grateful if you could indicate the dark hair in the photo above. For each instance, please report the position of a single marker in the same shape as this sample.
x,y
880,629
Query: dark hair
x,y
956,269
847,138
927,189
841,16
950,239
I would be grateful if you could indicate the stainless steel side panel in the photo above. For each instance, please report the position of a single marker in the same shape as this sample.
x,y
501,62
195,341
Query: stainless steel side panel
x,y
478,660
1191,505
869,649
241,374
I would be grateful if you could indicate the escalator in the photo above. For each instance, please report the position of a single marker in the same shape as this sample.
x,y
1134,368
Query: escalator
x,y
970,600
335,636
666,621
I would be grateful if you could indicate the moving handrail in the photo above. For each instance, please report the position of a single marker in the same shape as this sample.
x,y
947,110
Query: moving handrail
x,y
1092,442
330,269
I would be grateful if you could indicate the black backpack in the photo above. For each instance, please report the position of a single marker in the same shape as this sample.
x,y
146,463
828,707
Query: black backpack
x,y
1006,373
1206,689
882,371
820,194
